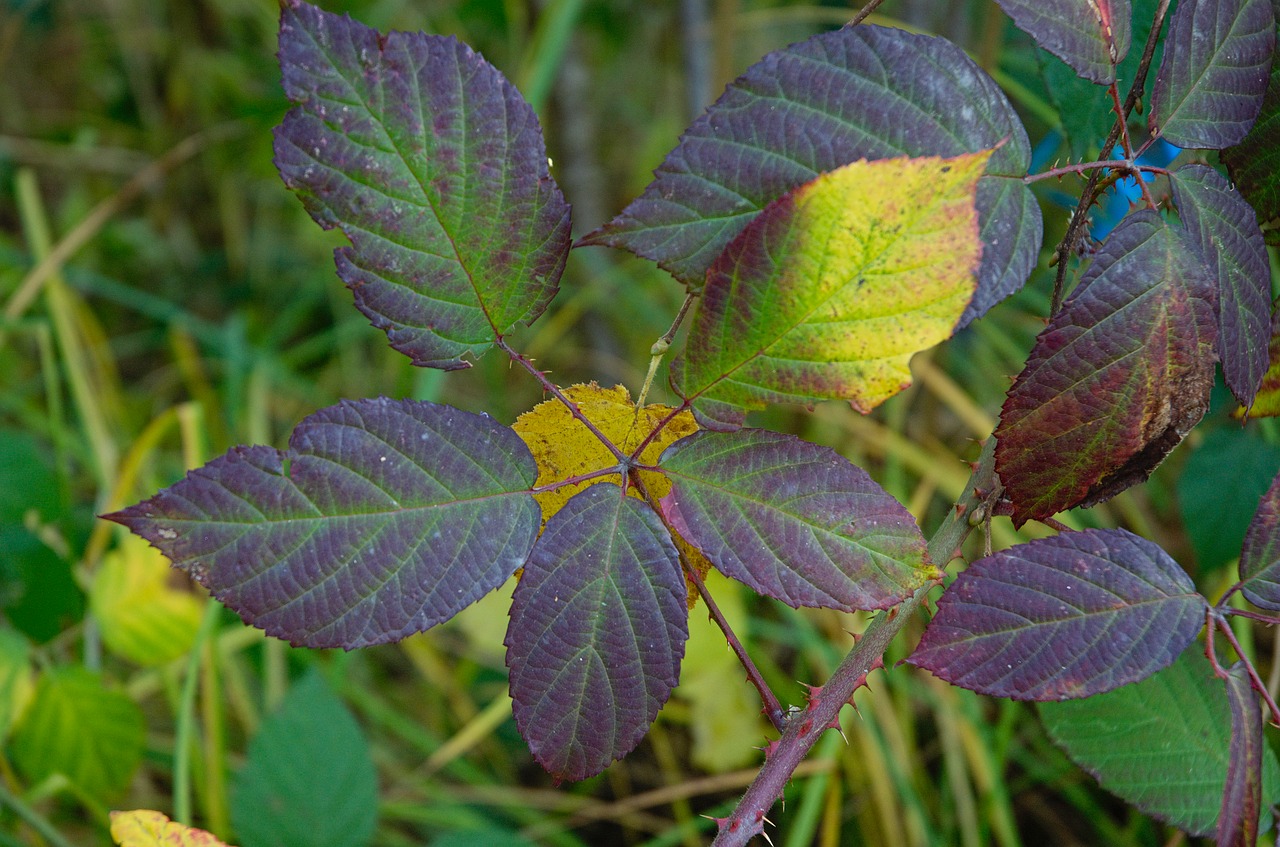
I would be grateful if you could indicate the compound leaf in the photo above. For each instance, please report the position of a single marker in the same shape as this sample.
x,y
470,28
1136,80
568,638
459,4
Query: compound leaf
x,y
77,727
383,518
1242,797
864,92
1162,744
145,828
434,167
833,287
1116,379
1225,229
598,626
309,780
793,520
1260,557
1062,617
1209,88
1092,36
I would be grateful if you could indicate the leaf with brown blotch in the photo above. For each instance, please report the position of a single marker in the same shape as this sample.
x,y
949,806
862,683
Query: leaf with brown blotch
x,y
1116,379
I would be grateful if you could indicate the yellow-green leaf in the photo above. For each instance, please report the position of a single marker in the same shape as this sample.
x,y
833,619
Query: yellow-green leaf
x,y
834,286
145,828
143,617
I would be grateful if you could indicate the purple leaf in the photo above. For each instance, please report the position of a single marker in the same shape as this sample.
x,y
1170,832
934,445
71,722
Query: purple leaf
x,y
1209,88
795,521
434,167
1092,36
865,92
1260,558
1058,618
1116,379
1242,796
1225,229
383,518
598,626
1254,163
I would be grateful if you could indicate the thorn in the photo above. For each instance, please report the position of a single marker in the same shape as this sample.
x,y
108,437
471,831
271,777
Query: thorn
x,y
961,508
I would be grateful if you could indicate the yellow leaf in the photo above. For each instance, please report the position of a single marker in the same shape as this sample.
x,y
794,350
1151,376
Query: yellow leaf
x,y
142,617
563,447
144,828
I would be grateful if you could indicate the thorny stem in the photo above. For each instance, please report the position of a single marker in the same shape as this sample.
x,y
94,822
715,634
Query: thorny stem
x,y
657,430
772,706
1220,621
1126,168
1079,218
1122,121
552,389
804,729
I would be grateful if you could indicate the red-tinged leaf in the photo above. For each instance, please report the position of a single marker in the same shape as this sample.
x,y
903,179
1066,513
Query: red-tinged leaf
x,y
434,167
795,521
1092,36
1161,744
1242,797
1118,377
384,518
1225,229
832,288
1254,163
1058,618
598,626
145,828
1209,88
1260,557
864,92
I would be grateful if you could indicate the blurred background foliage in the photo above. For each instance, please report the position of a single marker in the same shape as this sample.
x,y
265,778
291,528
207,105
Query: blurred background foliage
x,y
165,298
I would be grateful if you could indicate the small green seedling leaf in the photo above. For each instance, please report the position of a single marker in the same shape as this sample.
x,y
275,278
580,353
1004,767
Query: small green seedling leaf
x,y
77,727
1162,744
384,518
433,165
309,780
598,626
793,520
831,289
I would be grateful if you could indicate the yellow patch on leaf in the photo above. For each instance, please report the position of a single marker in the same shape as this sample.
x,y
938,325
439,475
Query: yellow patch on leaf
x,y
145,828
564,448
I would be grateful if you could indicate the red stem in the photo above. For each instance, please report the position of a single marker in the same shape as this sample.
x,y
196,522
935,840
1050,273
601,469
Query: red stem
x,y
1258,685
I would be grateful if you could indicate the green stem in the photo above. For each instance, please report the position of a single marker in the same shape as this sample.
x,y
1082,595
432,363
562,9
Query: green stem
x,y
32,818
186,717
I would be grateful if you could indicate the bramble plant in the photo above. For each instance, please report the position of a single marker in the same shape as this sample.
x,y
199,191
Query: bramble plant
x,y
849,201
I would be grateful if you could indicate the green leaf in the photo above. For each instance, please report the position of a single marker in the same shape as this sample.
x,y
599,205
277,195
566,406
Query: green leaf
x,y
142,617
309,780
1219,489
77,727
832,288
17,682
433,165
1162,744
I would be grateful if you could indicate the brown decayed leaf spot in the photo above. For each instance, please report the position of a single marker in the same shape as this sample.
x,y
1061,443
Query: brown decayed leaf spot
x,y
563,447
